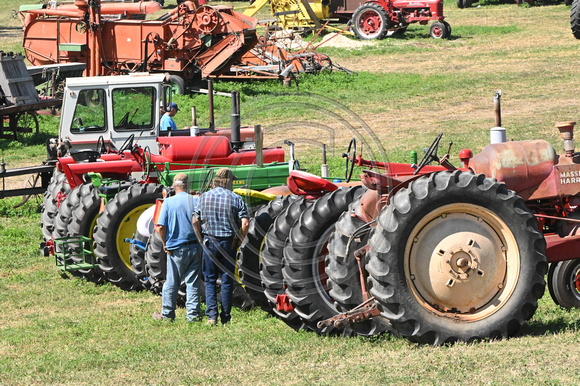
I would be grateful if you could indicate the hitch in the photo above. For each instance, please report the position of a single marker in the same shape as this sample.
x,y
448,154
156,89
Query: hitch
x,y
360,313
137,243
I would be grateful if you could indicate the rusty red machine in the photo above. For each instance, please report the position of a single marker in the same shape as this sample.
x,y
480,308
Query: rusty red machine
x,y
442,254
189,43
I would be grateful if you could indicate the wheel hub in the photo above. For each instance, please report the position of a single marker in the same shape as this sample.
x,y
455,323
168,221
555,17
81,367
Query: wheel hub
x,y
370,22
460,262
457,261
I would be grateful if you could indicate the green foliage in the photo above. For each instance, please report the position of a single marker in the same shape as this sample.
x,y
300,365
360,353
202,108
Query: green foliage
x,y
30,209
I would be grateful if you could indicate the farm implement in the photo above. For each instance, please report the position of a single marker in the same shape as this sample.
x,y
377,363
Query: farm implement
x,y
190,43
367,19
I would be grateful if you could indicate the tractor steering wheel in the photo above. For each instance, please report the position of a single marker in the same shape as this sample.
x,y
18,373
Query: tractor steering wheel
x,y
128,144
430,154
350,156
101,148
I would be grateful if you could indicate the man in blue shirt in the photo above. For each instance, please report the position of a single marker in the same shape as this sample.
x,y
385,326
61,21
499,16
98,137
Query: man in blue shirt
x,y
183,251
225,224
167,122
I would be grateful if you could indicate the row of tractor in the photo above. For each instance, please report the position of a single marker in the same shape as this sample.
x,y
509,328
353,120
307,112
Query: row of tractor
x,y
434,253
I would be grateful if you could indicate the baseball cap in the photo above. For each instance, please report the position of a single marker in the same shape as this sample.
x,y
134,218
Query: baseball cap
x,y
225,173
173,105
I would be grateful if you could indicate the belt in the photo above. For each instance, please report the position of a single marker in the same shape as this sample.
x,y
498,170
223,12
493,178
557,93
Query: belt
x,y
191,242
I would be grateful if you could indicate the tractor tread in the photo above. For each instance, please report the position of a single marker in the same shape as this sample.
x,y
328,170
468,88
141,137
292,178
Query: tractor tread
x,y
385,264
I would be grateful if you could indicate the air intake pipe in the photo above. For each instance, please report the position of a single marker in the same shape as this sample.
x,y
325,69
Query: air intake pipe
x,y
235,121
567,133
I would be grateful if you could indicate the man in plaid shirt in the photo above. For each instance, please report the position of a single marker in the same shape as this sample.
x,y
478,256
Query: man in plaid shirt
x,y
225,220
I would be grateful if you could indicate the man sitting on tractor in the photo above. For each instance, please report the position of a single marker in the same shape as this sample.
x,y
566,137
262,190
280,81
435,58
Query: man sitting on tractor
x,y
167,122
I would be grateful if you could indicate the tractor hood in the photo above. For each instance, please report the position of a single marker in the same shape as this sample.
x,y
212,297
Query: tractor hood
x,y
521,165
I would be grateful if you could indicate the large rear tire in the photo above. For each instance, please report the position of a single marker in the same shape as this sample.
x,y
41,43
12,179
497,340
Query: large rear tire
x,y
272,257
57,189
138,262
117,222
456,256
249,256
370,21
83,221
575,18
304,257
564,283
156,268
62,220
344,283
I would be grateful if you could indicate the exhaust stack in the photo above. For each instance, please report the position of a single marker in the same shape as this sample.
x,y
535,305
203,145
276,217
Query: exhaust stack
x,y
235,121
567,133
497,134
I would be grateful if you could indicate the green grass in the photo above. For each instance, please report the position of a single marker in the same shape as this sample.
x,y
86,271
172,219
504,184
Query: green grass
x,y
406,90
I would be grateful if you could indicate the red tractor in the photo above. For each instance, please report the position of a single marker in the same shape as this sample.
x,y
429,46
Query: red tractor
x,y
374,19
445,254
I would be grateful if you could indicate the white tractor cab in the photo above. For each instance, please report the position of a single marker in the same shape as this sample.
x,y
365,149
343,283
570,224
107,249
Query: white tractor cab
x,y
116,108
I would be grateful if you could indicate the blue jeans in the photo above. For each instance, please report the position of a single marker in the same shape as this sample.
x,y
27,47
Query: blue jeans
x,y
184,263
218,259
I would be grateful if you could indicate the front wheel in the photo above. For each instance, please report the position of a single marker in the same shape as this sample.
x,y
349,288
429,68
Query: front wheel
x,y
564,283
370,21
456,256
438,31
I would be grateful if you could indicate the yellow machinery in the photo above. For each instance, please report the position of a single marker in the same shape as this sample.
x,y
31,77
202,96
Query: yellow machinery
x,y
294,13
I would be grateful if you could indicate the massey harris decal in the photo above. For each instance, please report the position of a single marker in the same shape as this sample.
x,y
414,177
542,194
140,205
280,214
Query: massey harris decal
x,y
568,179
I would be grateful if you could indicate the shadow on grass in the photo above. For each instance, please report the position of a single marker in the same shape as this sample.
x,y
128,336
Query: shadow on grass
x,y
541,328
420,35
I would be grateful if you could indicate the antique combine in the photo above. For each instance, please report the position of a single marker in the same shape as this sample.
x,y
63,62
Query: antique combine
x,y
367,19
189,43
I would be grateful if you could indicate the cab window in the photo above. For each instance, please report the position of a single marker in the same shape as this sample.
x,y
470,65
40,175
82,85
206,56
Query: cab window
x,y
89,114
133,108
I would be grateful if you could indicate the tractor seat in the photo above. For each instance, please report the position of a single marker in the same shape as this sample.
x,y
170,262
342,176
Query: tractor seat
x,y
112,188
85,155
309,185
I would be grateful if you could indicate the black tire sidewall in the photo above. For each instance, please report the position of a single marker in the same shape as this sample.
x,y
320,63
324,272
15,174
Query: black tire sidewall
x,y
384,21
530,285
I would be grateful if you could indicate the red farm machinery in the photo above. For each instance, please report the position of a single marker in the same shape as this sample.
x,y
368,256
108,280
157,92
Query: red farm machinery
x,y
367,19
189,43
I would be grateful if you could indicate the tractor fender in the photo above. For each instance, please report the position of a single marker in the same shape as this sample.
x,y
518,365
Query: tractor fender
x,y
145,222
309,185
